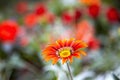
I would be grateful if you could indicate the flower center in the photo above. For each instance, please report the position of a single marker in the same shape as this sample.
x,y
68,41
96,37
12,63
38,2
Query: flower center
x,y
65,52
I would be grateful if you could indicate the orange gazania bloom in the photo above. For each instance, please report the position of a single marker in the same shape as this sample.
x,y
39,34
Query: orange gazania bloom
x,y
64,50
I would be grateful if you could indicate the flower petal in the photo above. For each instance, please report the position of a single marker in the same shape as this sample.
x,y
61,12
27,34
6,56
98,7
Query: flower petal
x,y
80,45
49,48
71,59
47,53
49,57
76,54
69,42
64,60
76,43
55,60
59,42
83,53
55,46
64,42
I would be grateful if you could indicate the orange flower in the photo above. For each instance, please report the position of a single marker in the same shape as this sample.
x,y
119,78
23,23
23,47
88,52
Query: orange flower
x,y
64,50
90,2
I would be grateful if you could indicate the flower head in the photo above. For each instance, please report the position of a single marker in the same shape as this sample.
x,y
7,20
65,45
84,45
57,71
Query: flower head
x,y
94,10
112,15
67,18
40,9
64,50
77,14
8,30
93,43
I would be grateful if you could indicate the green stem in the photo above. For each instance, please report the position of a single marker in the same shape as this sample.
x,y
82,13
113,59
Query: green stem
x,y
71,78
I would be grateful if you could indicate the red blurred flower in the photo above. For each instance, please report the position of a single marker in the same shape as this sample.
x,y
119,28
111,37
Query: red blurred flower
x,y
8,31
77,14
40,9
67,18
94,10
21,7
85,32
112,15
30,20
93,43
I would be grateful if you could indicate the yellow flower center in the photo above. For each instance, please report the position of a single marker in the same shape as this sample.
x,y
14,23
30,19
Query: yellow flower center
x,y
65,52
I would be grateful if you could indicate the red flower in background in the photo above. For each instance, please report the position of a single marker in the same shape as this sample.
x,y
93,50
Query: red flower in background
x,y
40,9
30,20
67,18
112,15
8,31
85,32
93,43
94,10
77,14
21,7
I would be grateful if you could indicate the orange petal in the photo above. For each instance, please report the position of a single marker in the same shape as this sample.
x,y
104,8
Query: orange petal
x,y
46,53
81,45
49,48
55,60
76,54
64,60
64,42
83,53
69,42
71,59
61,43
49,54
76,43
47,58
56,46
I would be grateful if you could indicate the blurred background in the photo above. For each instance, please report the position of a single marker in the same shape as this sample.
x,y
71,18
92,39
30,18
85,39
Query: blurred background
x,y
27,26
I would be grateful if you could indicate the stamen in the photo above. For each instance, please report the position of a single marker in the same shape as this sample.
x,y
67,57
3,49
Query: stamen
x,y
64,52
